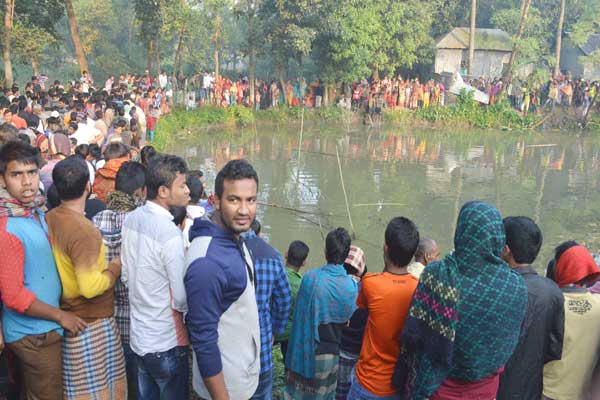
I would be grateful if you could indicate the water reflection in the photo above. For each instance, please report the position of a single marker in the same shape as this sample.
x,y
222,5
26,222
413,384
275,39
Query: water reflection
x,y
421,174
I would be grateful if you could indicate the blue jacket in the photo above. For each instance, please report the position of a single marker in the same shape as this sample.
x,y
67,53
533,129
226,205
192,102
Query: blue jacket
x,y
222,313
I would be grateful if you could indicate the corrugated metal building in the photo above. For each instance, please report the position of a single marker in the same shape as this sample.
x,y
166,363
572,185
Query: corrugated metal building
x,y
492,51
571,61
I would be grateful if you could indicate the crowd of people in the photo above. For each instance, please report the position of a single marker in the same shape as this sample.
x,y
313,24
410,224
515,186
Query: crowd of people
x,y
121,278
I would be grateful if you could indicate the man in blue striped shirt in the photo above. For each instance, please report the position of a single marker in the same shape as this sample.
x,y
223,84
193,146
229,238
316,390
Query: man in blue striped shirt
x,y
273,297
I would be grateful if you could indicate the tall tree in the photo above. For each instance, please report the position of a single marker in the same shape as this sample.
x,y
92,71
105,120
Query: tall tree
x,y
8,22
79,52
525,5
472,32
559,28
149,13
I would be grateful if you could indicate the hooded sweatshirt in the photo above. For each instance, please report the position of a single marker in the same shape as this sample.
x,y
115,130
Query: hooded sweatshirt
x,y
222,314
105,178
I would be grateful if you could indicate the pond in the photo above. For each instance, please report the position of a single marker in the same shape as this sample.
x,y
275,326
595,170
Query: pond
x,y
423,174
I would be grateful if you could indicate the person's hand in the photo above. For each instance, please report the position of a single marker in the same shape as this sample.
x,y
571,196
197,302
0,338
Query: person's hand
x,y
72,322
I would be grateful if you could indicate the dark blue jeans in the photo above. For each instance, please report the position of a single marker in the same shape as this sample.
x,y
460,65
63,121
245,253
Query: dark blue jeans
x,y
264,391
132,371
164,376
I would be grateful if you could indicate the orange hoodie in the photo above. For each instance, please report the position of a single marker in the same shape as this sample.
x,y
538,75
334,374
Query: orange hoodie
x,y
104,183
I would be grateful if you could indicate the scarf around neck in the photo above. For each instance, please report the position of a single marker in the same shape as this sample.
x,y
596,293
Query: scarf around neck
x,y
11,207
466,313
121,201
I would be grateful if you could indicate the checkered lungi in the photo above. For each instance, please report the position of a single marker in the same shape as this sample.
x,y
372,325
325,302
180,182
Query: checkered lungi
x,y
321,387
345,367
94,364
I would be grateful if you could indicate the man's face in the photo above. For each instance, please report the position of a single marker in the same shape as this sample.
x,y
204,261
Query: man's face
x,y
237,206
8,117
22,181
178,195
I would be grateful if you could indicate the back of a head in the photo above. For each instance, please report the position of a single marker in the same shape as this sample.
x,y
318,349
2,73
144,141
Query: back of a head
x,y
425,247
147,153
402,239
337,246
523,238
115,150
179,214
195,185
95,151
130,177
82,150
162,171
71,177
255,226
297,253
8,132
234,170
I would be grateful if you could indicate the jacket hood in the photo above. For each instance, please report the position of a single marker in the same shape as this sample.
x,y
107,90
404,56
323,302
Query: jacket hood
x,y
205,227
111,167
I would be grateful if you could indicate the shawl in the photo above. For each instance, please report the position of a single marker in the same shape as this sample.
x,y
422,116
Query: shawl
x,y
121,201
326,295
467,310
11,207
576,265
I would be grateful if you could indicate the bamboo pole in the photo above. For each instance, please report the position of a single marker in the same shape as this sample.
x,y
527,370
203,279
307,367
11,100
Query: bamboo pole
x,y
378,204
344,189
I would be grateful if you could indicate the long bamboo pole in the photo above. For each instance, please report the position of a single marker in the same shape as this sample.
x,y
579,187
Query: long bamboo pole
x,y
344,189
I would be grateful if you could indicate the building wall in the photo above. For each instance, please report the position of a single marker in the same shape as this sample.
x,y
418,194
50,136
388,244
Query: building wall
x,y
569,55
489,63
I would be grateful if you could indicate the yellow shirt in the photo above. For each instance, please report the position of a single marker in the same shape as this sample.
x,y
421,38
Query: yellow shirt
x,y
570,378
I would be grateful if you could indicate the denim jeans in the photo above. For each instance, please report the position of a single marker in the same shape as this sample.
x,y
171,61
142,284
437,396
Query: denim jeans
x,y
264,391
132,371
357,392
164,376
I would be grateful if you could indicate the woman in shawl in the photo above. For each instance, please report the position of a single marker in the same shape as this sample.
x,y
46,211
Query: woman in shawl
x,y
465,316
326,300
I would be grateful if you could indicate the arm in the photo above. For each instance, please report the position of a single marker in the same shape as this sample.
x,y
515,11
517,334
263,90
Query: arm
x,y
174,259
556,333
204,284
280,299
94,277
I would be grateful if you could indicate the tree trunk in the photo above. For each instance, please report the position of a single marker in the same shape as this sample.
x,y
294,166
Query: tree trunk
x,y
8,21
35,65
149,55
157,54
326,93
472,37
177,63
525,10
216,39
83,65
561,20
250,56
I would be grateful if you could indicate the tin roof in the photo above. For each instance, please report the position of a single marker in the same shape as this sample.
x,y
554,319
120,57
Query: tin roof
x,y
485,39
591,45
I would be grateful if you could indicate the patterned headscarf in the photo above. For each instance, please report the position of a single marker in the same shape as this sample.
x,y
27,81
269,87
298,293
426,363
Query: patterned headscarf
x,y
356,258
467,311
11,207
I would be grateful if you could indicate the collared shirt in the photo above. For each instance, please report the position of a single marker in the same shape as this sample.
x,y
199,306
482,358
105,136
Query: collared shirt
x,y
273,295
110,224
153,269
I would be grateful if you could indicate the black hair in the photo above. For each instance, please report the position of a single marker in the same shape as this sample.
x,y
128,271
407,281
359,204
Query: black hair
x,y
162,171
232,171
82,150
18,151
95,151
147,153
337,246
121,123
558,252
179,214
255,226
402,239
8,132
297,253
23,137
130,177
115,150
523,238
52,197
195,185
73,125
71,176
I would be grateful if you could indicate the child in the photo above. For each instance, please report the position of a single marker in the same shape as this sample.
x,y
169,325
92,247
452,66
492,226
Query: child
x,y
295,258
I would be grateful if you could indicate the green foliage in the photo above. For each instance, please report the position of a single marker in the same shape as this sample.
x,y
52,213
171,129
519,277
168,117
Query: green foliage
x,y
242,115
29,42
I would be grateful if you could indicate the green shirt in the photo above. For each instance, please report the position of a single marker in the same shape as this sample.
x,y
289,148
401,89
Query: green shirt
x,y
294,279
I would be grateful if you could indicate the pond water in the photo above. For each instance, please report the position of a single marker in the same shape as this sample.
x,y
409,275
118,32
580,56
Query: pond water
x,y
422,174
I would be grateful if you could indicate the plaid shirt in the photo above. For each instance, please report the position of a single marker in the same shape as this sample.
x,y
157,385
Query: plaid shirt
x,y
273,295
110,223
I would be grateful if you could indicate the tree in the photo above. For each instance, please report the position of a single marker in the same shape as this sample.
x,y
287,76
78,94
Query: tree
x,y
472,32
29,42
561,20
149,13
79,52
525,4
8,22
